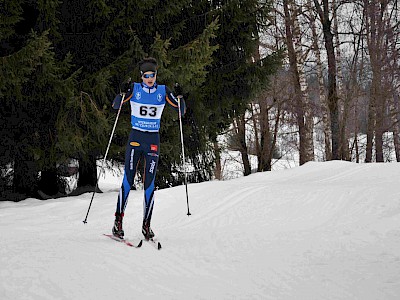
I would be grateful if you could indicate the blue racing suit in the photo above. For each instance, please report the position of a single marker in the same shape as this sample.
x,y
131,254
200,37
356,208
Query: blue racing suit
x,y
147,104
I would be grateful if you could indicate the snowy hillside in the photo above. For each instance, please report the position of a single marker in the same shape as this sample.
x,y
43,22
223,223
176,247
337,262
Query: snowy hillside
x,y
321,231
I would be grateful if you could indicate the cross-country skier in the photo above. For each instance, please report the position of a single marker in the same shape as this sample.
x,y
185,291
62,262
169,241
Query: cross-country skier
x,y
147,100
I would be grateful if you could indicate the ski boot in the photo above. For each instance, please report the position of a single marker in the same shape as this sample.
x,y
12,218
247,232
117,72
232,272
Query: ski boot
x,y
117,230
146,230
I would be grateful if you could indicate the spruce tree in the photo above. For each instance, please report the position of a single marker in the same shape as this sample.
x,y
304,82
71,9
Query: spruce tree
x,y
121,35
34,88
13,72
235,76
68,72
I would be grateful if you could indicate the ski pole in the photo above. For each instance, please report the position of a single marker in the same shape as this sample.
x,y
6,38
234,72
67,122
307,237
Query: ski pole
x,y
183,154
105,156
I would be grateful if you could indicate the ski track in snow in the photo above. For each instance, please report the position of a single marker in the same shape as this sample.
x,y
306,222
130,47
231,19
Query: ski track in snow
x,y
321,231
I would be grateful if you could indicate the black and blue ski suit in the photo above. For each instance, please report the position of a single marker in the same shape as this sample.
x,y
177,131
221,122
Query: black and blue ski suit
x,y
147,104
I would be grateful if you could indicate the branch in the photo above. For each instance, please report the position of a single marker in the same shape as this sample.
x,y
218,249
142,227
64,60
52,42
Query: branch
x,y
319,9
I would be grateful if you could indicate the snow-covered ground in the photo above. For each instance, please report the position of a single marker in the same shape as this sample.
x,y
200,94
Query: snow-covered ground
x,y
320,231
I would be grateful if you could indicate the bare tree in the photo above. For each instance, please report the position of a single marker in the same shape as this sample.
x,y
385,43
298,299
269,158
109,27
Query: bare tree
x,y
394,111
239,125
218,165
323,12
302,107
361,46
380,37
265,116
321,86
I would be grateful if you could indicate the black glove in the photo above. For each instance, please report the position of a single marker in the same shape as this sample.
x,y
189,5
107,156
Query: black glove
x,y
178,90
126,85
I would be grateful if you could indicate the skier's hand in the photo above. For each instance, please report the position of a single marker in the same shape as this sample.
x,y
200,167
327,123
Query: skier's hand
x,y
178,90
126,85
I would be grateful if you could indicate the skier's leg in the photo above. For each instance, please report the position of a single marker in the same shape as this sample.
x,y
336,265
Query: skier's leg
x,y
132,156
151,163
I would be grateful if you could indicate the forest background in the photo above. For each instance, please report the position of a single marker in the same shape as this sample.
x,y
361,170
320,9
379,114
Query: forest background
x,y
249,70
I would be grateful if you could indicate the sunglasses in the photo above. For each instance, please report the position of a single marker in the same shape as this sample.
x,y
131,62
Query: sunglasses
x,y
151,75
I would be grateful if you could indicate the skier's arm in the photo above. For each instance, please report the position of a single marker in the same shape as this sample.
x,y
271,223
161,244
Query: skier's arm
x,y
172,100
128,94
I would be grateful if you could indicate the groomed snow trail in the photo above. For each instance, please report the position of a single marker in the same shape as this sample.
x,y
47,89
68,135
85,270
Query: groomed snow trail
x,y
321,231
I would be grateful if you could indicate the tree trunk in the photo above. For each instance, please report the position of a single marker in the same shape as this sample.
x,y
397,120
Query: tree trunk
x,y
300,105
260,116
274,138
218,167
241,138
265,140
332,89
379,124
337,48
374,12
321,89
395,120
356,136
344,148
343,100
308,114
256,118
357,151
393,38
370,130
353,90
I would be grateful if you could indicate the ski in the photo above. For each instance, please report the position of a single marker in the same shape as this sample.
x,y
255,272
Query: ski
x,y
124,241
154,243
